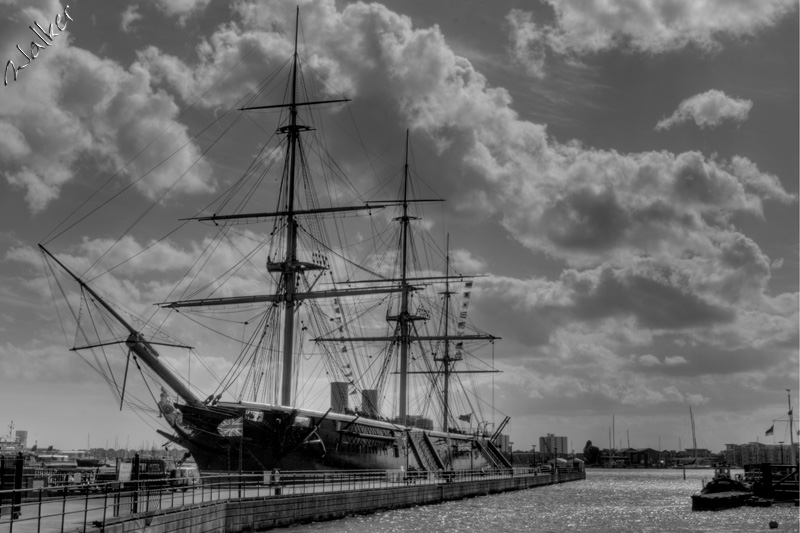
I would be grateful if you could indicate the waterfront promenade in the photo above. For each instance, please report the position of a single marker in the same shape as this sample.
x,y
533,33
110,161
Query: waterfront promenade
x,y
254,502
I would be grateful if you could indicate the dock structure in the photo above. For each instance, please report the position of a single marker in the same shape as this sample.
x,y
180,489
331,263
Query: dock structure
x,y
255,502
779,482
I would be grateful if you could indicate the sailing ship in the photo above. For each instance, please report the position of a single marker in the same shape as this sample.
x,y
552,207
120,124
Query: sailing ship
x,y
419,345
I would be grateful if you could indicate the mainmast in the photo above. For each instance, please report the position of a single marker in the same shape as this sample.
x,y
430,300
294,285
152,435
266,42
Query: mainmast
x,y
404,319
404,333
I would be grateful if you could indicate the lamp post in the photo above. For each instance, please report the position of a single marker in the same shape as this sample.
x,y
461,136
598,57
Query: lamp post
x,y
511,452
781,443
555,459
533,447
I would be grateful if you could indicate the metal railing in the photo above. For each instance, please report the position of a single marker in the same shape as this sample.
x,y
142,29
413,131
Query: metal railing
x,y
82,507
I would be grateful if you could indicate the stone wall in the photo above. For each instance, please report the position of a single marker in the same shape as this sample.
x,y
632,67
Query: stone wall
x,y
259,514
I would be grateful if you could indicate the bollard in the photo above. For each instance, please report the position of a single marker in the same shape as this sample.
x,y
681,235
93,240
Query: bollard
x,y
16,510
276,479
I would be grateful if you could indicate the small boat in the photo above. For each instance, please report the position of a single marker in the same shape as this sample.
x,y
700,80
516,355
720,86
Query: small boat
x,y
722,492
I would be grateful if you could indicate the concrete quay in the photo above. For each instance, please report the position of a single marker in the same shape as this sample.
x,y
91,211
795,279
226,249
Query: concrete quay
x,y
224,504
268,512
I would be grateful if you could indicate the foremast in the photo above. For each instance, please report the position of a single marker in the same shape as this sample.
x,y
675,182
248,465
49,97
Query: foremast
x,y
291,267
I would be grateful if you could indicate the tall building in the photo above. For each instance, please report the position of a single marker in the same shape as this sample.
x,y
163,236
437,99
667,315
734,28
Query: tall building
x,y
504,443
758,452
551,445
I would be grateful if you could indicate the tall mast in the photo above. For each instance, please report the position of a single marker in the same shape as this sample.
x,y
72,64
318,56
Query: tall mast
x,y
404,333
446,358
404,318
290,266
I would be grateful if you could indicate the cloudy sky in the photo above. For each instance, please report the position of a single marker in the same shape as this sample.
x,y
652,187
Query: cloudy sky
x,y
624,172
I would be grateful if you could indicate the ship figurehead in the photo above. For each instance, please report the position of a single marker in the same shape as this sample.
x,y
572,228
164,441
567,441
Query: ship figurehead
x,y
168,410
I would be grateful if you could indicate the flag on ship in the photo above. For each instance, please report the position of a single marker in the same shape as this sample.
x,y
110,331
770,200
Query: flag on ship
x,y
770,430
465,418
231,427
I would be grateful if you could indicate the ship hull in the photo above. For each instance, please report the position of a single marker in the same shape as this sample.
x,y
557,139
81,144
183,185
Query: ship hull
x,y
293,439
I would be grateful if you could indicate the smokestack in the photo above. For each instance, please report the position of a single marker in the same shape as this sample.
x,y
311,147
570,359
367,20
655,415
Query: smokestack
x,y
369,402
339,396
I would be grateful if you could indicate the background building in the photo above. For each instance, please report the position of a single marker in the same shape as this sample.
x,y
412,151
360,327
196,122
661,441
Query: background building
x,y
757,452
504,443
551,445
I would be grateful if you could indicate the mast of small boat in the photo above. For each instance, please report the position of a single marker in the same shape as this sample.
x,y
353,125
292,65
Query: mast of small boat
x,y
792,457
694,440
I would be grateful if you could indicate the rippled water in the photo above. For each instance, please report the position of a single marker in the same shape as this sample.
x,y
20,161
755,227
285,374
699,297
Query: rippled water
x,y
607,501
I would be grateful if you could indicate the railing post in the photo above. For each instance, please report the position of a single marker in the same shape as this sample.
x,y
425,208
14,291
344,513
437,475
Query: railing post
x,y
86,507
105,503
63,506
39,513
2,482
135,479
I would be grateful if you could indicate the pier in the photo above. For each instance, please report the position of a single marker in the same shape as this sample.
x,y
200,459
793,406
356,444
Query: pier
x,y
252,501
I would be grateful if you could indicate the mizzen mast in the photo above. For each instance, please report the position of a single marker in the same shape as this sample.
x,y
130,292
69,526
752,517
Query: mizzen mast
x,y
446,360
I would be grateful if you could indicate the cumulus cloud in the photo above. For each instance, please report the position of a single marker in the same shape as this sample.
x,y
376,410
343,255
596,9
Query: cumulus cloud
x,y
648,235
765,186
183,9
69,104
582,205
129,16
527,46
649,360
582,27
708,110
696,399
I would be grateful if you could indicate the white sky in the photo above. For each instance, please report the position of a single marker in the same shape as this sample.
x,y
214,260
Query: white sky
x,y
625,172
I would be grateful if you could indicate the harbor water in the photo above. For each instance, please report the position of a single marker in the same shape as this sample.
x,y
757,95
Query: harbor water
x,y
609,500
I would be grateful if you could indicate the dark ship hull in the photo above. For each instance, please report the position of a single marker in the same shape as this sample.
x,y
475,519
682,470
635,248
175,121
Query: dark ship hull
x,y
293,439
